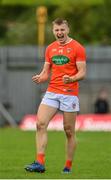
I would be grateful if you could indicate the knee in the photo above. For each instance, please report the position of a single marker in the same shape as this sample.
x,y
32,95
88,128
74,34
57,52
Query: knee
x,y
68,130
40,126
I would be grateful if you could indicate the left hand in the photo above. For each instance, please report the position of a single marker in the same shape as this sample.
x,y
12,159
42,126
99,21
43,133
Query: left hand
x,y
67,79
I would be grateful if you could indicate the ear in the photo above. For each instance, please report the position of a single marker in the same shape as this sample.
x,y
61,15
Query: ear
x,y
68,30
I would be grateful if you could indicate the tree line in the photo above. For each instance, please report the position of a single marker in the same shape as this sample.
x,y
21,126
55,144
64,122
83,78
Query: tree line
x,y
89,21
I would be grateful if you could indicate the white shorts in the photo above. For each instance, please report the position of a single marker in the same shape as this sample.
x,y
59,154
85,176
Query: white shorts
x,y
66,103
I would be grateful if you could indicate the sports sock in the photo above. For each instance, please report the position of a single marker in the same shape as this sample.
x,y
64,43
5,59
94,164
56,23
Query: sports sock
x,y
68,164
41,158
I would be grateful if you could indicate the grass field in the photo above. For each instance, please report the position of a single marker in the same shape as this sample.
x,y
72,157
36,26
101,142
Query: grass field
x,y
92,158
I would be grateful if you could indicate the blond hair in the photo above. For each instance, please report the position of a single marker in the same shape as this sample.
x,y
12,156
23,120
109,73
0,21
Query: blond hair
x,y
60,21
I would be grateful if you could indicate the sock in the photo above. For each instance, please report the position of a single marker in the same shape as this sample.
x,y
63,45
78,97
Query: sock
x,y
68,164
41,158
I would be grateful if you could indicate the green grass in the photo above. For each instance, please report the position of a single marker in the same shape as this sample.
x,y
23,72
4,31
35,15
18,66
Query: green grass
x,y
92,158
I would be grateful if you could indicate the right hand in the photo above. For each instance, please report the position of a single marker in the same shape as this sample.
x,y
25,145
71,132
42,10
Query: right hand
x,y
36,78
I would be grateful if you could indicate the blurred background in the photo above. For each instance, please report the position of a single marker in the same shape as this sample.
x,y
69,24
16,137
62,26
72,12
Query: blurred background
x,y
25,31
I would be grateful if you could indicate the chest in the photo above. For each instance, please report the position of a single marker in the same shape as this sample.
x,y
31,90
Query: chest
x,y
63,52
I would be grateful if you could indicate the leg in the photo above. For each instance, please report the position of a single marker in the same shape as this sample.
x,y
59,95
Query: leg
x,y
44,115
69,128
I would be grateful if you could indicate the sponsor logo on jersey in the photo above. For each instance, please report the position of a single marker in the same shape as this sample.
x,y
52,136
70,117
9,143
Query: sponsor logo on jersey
x,y
60,60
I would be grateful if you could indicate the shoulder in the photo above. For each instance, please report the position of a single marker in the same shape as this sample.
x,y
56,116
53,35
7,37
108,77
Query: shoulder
x,y
77,44
79,50
53,44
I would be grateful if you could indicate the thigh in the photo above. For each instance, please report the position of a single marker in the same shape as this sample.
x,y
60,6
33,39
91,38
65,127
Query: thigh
x,y
45,114
69,120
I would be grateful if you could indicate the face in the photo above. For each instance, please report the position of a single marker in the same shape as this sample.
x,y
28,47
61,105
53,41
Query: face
x,y
61,33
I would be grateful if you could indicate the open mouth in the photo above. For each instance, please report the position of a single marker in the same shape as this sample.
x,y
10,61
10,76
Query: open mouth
x,y
60,37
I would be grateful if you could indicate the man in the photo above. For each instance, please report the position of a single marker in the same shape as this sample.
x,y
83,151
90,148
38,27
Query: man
x,y
66,60
101,105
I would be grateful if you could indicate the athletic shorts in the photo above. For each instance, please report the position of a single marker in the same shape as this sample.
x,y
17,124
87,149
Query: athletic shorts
x,y
66,103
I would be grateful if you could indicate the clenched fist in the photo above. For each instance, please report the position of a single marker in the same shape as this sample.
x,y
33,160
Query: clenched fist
x,y
67,79
36,78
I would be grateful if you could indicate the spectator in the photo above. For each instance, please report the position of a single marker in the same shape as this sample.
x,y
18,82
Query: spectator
x,y
101,105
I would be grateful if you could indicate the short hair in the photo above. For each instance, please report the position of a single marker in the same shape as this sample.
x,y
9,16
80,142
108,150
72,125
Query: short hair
x,y
60,21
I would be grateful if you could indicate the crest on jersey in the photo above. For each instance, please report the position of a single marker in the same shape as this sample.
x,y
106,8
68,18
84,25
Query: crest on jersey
x,y
68,50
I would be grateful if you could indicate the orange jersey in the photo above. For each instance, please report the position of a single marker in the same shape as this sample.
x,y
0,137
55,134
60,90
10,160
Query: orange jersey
x,y
62,59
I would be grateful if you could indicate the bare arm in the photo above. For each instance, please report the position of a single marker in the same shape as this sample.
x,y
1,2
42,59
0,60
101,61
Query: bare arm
x,y
81,66
43,76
